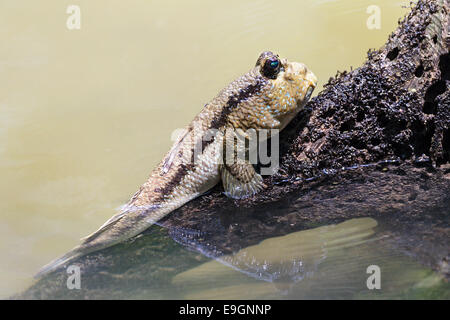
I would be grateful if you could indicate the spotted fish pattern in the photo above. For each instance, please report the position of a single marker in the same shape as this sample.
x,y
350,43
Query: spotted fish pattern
x,y
266,97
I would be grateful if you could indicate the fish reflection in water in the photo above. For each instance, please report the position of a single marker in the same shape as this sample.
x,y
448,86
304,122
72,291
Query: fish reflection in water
x,y
281,261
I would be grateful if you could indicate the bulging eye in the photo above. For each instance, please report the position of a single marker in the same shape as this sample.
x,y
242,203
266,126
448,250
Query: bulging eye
x,y
271,68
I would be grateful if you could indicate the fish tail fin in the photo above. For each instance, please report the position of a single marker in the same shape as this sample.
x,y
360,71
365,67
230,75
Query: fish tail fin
x,y
59,262
124,225
121,226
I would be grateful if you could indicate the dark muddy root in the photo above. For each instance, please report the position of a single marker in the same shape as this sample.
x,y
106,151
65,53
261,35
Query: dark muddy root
x,y
393,109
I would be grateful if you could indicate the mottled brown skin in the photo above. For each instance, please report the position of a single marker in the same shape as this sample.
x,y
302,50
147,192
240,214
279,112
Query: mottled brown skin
x,y
267,97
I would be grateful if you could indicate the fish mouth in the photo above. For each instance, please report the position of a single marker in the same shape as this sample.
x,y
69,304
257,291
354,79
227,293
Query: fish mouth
x,y
302,102
312,79
309,92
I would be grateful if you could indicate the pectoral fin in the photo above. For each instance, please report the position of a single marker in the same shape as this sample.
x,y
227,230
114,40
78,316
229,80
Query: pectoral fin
x,y
240,180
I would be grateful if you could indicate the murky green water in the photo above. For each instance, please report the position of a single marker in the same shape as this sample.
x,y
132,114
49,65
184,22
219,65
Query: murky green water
x,y
85,114
330,262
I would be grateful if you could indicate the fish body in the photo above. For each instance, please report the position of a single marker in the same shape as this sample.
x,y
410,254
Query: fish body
x,y
266,97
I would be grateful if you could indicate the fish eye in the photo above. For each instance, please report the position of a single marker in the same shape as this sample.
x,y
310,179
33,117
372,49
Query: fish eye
x,y
274,64
271,68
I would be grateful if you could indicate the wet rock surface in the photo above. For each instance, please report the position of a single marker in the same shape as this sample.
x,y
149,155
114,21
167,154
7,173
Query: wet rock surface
x,y
375,143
